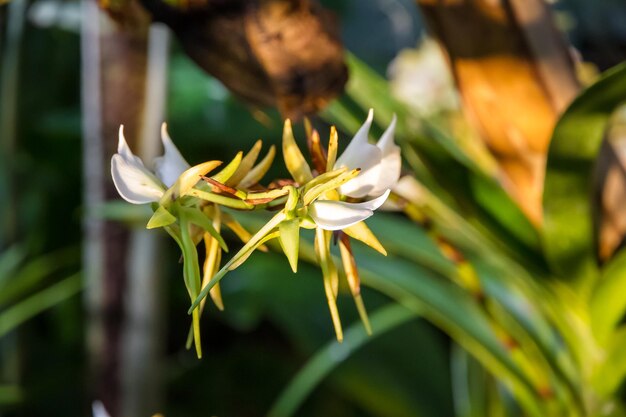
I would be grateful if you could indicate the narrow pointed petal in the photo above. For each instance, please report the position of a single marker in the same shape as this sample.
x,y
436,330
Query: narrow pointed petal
x,y
361,232
322,251
133,182
294,160
169,166
386,142
333,143
212,261
372,204
229,169
391,161
330,184
256,174
359,140
290,241
124,150
246,164
189,178
361,154
160,218
354,282
336,215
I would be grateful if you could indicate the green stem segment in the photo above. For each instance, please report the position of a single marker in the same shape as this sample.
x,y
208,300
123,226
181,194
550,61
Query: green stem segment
x,y
244,251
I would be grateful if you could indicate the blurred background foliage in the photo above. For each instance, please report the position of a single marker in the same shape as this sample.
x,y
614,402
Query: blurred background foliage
x,y
272,350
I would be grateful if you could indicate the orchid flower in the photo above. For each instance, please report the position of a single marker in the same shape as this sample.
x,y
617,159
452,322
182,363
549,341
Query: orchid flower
x,y
137,184
379,171
338,215
380,164
98,409
172,175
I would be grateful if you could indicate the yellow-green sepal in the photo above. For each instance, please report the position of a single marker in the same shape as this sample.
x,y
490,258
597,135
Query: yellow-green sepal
x,y
294,160
290,241
228,171
361,232
161,218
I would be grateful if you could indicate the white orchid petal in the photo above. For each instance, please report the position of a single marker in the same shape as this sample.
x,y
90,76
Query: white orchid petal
x,y
390,166
364,183
372,204
360,154
134,182
336,215
386,143
169,166
124,150
391,161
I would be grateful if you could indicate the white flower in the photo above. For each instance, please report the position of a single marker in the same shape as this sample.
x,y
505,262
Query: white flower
x,y
337,215
380,164
98,409
380,169
421,78
137,184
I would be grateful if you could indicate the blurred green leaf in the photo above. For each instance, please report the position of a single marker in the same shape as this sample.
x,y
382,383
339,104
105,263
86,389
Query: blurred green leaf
x,y
452,175
568,230
608,303
333,354
38,302
10,394
469,381
31,275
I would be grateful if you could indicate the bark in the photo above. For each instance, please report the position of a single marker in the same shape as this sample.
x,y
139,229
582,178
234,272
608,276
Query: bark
x,y
114,66
283,53
13,19
515,77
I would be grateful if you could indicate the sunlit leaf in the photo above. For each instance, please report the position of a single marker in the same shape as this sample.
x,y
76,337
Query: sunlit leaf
x,y
568,229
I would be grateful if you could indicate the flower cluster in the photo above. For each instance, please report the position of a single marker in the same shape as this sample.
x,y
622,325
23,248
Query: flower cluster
x,y
333,195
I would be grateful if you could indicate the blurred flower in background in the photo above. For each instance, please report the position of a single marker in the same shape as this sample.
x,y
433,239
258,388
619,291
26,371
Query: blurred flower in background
x,y
421,78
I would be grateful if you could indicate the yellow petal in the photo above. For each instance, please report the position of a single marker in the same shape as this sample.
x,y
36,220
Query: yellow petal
x,y
290,241
229,169
352,276
256,173
239,230
360,231
326,263
294,160
246,164
190,178
212,260
330,184
333,143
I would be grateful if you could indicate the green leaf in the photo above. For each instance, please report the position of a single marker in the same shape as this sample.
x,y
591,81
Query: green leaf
x,y
38,302
439,161
332,354
290,241
160,218
452,310
568,228
22,281
608,301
